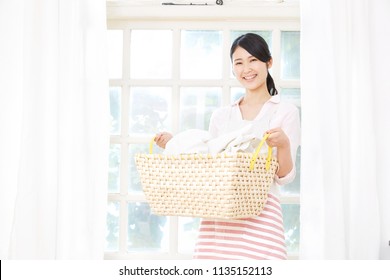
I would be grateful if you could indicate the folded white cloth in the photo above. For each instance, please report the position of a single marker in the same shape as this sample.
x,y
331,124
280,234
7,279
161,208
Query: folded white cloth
x,y
192,141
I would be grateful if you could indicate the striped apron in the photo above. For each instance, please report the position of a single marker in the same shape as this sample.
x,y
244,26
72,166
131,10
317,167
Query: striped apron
x,y
260,237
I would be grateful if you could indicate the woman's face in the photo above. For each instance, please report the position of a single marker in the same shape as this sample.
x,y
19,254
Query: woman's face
x,y
249,71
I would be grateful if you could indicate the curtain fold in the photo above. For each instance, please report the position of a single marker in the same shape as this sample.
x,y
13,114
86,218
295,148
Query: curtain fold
x,y
11,67
59,111
344,198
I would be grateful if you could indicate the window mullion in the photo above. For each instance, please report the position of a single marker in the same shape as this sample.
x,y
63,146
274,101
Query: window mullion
x,y
126,54
123,226
226,67
276,51
173,235
175,80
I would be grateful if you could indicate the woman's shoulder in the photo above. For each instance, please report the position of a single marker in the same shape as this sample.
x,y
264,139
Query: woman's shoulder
x,y
285,109
288,106
284,106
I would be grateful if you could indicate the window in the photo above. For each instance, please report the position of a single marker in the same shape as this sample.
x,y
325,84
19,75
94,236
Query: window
x,y
170,75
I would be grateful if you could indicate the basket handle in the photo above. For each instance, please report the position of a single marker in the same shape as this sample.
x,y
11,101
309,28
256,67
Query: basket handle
x,y
151,145
257,151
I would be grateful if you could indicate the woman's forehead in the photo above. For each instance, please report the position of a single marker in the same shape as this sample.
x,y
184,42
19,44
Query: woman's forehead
x,y
241,53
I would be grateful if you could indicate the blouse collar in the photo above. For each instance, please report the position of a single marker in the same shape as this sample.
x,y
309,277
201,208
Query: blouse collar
x,y
274,99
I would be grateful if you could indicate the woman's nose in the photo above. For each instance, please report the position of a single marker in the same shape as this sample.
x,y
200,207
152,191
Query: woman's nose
x,y
247,68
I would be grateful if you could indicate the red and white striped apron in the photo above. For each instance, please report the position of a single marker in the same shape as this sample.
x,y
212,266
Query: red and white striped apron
x,y
260,237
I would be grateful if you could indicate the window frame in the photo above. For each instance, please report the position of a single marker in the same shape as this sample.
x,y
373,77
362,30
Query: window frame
x,y
225,18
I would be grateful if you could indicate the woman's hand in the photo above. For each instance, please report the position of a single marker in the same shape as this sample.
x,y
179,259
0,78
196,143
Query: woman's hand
x,y
277,138
162,139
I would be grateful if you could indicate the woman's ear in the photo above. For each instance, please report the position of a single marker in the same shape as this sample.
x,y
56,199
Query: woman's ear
x,y
269,63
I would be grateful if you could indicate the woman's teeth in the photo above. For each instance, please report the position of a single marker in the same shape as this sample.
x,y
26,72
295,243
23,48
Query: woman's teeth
x,y
249,77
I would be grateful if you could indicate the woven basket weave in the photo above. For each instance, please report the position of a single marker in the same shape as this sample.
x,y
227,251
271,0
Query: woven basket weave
x,y
221,186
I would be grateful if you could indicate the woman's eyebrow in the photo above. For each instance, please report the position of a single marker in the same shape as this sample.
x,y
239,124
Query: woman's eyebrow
x,y
249,57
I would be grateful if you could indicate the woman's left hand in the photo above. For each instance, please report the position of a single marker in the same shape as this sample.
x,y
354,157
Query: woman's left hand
x,y
277,138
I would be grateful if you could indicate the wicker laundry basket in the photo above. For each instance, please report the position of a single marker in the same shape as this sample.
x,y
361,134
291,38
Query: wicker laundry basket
x,y
222,186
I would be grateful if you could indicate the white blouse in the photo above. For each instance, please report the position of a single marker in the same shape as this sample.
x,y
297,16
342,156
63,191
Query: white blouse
x,y
274,113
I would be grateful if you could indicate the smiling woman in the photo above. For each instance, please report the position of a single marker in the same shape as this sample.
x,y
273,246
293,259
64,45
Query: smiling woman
x,y
198,81
260,237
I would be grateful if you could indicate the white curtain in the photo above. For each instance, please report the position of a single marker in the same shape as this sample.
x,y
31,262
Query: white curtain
x,y
345,194
54,129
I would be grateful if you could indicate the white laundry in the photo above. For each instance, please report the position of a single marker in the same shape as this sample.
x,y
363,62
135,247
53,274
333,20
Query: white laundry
x,y
192,141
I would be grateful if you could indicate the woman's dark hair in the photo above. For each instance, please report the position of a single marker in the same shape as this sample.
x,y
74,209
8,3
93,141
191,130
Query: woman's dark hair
x,y
258,47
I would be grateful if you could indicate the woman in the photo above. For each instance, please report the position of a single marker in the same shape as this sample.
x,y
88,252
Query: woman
x,y
260,237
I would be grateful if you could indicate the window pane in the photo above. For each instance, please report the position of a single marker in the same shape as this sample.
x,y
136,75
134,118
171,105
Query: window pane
x,y
291,226
236,93
115,52
134,179
112,237
188,234
145,230
151,54
150,109
201,54
290,55
197,105
115,110
294,187
292,95
113,165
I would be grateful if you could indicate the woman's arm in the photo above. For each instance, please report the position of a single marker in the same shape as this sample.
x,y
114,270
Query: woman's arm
x,y
277,138
287,131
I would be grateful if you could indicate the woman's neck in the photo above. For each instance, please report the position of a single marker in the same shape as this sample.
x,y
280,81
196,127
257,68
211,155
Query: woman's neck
x,y
256,98
252,103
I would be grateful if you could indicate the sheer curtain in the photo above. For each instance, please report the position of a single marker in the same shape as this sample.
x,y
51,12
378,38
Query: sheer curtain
x,y
54,129
345,194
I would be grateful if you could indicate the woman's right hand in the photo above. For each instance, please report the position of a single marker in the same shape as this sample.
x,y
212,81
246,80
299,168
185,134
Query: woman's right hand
x,y
162,139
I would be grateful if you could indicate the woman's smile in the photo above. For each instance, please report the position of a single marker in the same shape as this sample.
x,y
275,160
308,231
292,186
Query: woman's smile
x,y
250,77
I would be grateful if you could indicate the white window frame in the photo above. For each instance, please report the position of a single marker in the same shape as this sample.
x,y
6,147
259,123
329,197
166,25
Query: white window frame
x,y
122,16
